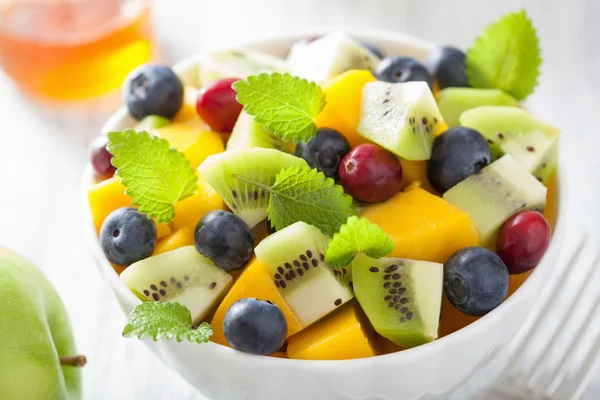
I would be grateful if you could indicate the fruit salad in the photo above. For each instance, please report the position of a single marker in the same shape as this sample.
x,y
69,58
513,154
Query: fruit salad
x,y
342,203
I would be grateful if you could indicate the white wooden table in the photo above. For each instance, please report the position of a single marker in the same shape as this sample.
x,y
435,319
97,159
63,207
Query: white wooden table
x,y
43,150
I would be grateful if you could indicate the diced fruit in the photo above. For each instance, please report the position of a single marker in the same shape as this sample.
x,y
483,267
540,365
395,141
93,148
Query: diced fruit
x,y
163,230
342,109
217,104
325,151
373,49
342,335
514,131
475,280
224,238
189,211
248,133
399,69
454,101
402,298
100,156
256,164
371,174
415,171
188,109
255,326
294,257
254,282
402,117
127,236
523,241
193,139
447,64
456,155
329,56
423,226
498,191
183,236
153,90
238,63
151,122
181,275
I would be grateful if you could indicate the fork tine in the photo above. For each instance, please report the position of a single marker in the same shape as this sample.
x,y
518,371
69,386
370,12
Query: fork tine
x,y
565,362
567,316
525,335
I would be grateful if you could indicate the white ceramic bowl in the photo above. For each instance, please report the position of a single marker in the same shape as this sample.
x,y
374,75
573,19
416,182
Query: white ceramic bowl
x,y
222,373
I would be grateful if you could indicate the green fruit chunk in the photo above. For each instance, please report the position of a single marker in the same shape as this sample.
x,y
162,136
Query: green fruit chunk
x,y
248,133
151,122
294,258
34,335
402,298
514,131
260,165
493,195
182,275
401,117
454,101
238,64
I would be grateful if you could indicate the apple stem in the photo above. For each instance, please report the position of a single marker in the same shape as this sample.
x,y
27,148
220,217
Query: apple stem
x,y
73,361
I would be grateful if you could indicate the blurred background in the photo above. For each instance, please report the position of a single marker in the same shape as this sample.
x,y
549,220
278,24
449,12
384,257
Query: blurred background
x,y
44,142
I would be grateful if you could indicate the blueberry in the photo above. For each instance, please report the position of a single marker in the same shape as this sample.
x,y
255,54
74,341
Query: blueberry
x,y
402,69
153,90
254,326
325,151
127,236
475,280
457,154
373,49
447,64
224,238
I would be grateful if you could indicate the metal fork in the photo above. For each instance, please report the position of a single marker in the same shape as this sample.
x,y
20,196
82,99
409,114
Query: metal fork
x,y
553,371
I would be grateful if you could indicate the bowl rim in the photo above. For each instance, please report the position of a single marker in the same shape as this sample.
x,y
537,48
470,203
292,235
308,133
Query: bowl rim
x,y
371,36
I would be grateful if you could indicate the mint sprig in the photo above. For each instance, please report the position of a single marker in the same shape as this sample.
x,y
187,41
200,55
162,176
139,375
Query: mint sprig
x,y
165,320
155,175
304,194
285,104
357,235
506,56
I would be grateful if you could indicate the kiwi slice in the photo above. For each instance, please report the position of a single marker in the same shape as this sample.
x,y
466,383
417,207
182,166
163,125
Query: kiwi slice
x,y
248,133
257,164
182,275
402,298
514,131
151,122
454,101
238,64
402,117
494,194
294,258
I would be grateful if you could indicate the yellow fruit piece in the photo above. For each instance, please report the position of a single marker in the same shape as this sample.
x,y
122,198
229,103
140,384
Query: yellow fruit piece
x,y
106,196
342,111
443,127
188,212
413,171
423,226
181,237
253,282
188,109
343,335
194,139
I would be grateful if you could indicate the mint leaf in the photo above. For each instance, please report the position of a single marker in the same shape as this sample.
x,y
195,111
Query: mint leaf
x,y
304,194
155,175
355,236
165,320
285,104
506,56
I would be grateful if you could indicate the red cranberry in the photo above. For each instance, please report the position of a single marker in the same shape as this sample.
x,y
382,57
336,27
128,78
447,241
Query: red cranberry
x,y
100,157
523,240
217,106
370,173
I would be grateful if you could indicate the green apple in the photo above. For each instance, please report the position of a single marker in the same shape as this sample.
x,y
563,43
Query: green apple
x,y
37,351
